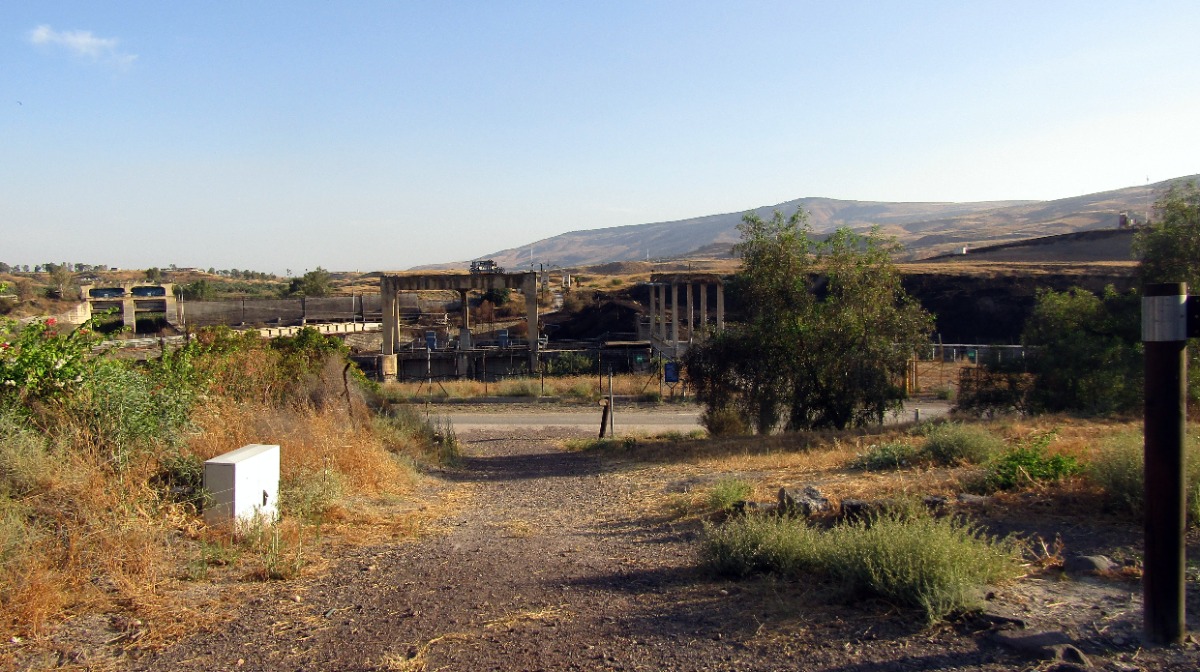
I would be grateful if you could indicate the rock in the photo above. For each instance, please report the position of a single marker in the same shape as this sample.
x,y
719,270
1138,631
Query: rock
x,y
1049,645
973,500
743,508
1088,564
935,503
805,503
864,509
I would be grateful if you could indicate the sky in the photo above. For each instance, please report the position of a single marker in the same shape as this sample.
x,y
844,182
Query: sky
x,y
371,135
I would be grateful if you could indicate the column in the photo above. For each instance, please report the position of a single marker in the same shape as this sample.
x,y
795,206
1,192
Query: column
x,y
703,306
691,314
464,333
720,307
662,312
388,315
529,287
674,313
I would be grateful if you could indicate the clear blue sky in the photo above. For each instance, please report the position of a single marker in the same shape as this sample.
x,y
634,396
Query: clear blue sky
x,y
381,135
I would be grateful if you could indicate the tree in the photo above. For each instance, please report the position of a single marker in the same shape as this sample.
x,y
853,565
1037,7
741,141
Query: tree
x,y
1086,354
1169,248
154,274
60,277
312,283
827,334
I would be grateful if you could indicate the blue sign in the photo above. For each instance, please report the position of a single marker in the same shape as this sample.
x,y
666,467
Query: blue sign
x,y
671,372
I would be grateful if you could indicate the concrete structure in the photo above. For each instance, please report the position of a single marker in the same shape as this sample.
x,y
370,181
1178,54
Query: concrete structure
x,y
671,326
391,284
244,485
132,298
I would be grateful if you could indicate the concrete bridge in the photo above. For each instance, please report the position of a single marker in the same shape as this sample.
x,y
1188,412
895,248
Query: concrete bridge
x,y
391,284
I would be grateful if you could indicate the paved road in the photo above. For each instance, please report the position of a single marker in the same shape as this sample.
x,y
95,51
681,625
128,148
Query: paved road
x,y
637,419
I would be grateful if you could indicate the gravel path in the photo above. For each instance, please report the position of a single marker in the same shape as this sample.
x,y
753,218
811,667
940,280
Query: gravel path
x,y
548,566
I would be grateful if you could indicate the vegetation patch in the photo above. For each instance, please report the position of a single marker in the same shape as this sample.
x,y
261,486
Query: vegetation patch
x,y
939,566
956,443
1118,466
1029,464
727,492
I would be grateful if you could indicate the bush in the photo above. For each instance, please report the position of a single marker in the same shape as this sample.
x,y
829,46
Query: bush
x,y
1029,464
884,456
723,422
727,492
1118,467
939,566
955,443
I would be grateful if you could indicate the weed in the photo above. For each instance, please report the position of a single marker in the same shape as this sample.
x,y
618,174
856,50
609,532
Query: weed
x,y
1118,467
887,456
1029,464
727,492
955,443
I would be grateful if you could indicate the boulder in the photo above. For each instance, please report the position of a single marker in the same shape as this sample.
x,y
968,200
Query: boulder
x,y
805,502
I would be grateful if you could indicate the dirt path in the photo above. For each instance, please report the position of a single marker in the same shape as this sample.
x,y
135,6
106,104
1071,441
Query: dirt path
x,y
549,567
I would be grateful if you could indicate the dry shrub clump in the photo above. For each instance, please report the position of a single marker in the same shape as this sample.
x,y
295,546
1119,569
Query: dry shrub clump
x,y
101,464
937,565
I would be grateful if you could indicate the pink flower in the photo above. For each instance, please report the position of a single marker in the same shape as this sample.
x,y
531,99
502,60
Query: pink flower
x,y
50,322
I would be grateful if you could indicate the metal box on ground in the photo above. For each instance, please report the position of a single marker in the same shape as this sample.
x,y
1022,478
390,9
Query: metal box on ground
x,y
244,485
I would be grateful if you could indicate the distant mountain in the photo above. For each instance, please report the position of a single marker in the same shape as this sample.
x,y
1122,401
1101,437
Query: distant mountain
x,y
926,229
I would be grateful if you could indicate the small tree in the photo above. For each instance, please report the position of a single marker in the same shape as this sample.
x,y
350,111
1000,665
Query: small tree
x,y
312,283
827,335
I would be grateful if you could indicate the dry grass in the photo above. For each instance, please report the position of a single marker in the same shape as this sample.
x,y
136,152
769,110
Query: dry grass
x,y
583,388
675,477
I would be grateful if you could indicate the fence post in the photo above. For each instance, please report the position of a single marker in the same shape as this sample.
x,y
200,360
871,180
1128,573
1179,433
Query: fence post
x,y
1164,334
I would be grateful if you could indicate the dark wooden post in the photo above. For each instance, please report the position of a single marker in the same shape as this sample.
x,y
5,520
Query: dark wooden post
x,y
1164,334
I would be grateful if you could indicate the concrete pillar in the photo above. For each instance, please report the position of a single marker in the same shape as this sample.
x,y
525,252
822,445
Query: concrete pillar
x,y
660,329
388,315
129,313
464,334
691,314
529,287
703,306
720,307
652,312
674,313
387,367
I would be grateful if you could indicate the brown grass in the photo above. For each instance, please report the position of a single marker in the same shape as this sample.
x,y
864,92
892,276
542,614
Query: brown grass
x,y
578,387
674,476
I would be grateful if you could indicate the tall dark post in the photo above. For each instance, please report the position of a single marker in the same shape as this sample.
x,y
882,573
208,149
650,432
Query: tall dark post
x,y
1164,333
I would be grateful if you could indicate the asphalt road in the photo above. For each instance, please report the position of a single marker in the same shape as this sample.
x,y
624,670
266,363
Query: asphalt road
x,y
636,418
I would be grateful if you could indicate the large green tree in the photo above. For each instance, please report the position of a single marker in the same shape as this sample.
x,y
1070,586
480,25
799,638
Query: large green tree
x,y
827,333
1169,247
312,283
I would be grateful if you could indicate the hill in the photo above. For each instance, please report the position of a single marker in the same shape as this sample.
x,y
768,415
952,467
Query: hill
x,y
926,229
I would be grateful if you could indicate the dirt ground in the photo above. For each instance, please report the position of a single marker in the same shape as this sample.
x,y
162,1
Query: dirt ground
x,y
562,560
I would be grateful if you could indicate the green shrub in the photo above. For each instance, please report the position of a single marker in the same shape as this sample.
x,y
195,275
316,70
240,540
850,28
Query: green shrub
x,y
1118,467
885,456
727,492
939,566
723,422
955,443
1028,464
570,364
